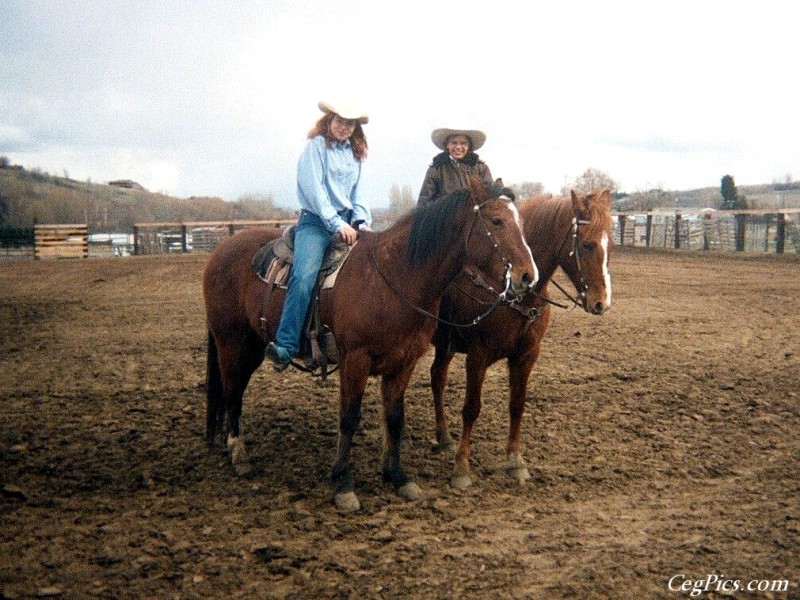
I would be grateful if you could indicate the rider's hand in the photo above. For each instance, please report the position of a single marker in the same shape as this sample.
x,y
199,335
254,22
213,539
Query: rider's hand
x,y
349,235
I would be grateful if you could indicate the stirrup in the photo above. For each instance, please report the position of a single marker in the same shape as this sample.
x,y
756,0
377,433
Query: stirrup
x,y
278,362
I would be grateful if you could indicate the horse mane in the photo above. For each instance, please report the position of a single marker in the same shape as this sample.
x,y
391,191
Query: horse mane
x,y
599,217
549,210
542,215
432,228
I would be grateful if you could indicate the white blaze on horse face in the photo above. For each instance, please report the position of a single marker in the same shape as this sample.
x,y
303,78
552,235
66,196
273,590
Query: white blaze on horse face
x,y
518,221
606,273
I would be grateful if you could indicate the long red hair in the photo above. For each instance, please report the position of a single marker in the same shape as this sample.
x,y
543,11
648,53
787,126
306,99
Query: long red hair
x,y
358,140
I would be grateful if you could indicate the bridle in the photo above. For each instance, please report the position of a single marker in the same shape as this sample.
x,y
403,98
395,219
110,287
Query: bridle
x,y
580,300
501,298
583,288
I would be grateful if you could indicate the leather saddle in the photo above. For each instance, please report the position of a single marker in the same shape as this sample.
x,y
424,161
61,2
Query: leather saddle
x,y
273,265
273,261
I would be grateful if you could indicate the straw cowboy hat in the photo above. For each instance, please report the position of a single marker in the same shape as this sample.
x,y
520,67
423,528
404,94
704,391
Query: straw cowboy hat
x,y
344,110
439,137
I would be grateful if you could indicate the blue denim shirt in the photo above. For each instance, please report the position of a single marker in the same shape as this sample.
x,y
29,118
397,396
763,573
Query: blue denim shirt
x,y
329,183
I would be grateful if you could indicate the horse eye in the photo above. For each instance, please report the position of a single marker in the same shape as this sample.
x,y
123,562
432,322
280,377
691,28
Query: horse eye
x,y
589,246
497,221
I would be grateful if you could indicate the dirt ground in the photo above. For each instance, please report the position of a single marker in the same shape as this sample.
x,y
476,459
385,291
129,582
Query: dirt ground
x,y
662,439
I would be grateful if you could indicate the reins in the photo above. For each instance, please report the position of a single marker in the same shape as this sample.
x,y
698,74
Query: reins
x,y
529,313
581,296
501,298
313,370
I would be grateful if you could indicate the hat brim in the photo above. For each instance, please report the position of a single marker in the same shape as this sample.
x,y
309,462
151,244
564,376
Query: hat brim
x,y
345,111
439,137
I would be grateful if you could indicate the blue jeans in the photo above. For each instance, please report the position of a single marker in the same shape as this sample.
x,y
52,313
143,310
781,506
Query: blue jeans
x,y
311,240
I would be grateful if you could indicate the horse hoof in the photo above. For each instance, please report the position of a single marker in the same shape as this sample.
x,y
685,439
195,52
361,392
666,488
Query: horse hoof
x,y
347,502
242,469
460,482
443,443
409,491
241,466
517,468
520,474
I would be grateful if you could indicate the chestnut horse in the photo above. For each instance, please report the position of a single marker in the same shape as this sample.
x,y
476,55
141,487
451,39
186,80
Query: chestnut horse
x,y
381,312
571,233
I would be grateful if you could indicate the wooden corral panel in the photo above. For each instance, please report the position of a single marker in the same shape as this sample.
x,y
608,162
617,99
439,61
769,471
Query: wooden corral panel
x,y
61,241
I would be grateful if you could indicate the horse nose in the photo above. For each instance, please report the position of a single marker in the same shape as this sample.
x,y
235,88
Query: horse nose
x,y
528,281
598,308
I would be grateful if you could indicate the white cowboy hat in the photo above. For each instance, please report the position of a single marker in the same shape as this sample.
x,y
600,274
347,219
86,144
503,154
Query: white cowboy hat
x,y
344,110
439,137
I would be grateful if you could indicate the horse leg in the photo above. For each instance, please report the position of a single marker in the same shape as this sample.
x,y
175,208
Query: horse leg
x,y
353,376
476,372
238,360
439,367
393,387
518,373
215,405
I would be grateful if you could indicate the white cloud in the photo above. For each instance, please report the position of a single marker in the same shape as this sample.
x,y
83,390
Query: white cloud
x,y
215,98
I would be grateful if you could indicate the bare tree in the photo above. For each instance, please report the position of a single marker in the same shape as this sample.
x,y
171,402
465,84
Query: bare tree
x,y
592,179
400,200
527,189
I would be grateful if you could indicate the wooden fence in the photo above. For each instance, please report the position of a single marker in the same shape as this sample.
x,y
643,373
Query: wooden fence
x,y
754,230
157,238
61,241
765,231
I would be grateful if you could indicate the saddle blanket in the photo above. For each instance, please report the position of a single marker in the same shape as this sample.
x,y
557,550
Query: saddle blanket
x,y
273,261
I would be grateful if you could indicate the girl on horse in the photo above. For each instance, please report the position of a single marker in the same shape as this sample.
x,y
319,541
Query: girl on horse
x,y
452,168
329,192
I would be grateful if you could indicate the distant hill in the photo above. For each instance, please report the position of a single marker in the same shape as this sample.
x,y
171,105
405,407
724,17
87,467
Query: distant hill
x,y
758,196
29,197
763,196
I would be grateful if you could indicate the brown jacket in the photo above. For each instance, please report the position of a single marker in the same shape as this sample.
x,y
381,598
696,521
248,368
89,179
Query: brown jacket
x,y
446,175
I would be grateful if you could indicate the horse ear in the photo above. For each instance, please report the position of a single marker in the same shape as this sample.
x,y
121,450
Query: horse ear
x,y
498,189
605,197
579,203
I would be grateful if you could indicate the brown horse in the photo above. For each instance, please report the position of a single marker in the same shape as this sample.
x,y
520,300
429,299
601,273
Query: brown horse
x,y
381,311
571,233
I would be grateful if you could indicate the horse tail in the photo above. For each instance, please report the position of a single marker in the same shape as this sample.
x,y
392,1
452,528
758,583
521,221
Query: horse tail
x,y
215,400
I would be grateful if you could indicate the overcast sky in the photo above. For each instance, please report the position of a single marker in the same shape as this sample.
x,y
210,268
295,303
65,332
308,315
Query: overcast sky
x,y
214,98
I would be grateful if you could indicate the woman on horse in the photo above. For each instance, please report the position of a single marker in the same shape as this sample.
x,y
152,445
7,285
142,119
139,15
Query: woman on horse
x,y
329,192
451,169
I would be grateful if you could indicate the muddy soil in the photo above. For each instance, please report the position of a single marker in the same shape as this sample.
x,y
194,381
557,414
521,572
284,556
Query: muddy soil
x,y
662,439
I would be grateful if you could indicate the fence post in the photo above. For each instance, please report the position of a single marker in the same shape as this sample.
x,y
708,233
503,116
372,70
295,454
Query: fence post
x,y
780,234
741,223
136,241
648,228
184,238
677,243
706,229
621,221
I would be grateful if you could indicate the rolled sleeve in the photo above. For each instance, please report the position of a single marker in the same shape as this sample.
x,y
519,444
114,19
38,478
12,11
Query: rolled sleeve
x,y
361,211
329,183
311,190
